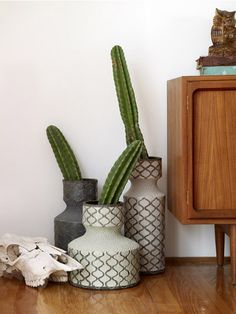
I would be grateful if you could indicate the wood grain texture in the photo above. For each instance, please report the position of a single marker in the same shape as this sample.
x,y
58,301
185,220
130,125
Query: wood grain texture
x,y
177,149
194,293
233,252
201,150
214,150
181,289
184,261
220,279
220,244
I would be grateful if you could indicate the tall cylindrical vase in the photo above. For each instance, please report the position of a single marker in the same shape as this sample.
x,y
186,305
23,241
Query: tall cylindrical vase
x,y
145,215
68,225
110,260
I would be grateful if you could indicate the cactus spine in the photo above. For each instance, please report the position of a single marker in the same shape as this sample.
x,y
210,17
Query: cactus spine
x,y
63,153
126,98
120,173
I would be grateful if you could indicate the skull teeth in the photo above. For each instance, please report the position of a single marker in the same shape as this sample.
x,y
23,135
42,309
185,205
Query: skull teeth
x,y
36,283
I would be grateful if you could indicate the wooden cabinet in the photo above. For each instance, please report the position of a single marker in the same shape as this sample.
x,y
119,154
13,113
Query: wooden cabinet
x,y
202,155
202,149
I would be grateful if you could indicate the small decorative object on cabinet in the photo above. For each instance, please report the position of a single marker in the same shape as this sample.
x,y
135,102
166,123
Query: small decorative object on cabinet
x,y
144,203
202,154
110,260
223,34
222,54
68,225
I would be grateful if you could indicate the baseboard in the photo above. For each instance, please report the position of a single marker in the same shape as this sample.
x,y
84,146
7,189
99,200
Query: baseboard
x,y
194,260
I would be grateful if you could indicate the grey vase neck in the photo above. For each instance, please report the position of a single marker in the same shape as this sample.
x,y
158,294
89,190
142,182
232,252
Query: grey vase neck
x,y
77,192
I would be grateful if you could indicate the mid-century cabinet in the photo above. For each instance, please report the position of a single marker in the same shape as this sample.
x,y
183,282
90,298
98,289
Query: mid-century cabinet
x,y
202,155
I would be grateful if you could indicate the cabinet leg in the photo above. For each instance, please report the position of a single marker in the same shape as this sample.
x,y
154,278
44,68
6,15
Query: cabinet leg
x,y
233,252
220,244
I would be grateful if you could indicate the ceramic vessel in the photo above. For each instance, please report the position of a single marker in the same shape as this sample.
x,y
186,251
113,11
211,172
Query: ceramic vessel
x,y
145,215
110,260
68,225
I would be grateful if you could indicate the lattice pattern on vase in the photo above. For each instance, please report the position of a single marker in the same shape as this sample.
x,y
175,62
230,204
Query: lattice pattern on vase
x,y
106,270
110,260
145,214
103,215
145,223
147,169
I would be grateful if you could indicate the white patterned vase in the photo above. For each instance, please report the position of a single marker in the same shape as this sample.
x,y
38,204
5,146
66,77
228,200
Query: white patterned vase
x,y
145,215
110,260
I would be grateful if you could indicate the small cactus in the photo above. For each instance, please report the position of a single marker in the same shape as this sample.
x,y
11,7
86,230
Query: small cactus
x,y
63,153
120,173
126,98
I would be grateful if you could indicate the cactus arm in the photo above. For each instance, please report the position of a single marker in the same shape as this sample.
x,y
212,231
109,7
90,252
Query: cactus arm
x,y
126,98
125,178
120,173
124,92
63,153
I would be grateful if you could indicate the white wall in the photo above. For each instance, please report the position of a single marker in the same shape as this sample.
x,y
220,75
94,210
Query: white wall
x,y
55,69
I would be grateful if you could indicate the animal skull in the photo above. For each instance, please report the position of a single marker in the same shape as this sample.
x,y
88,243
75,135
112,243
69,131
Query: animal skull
x,y
35,259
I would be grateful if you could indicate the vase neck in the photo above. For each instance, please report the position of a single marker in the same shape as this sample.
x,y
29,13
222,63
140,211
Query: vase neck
x,y
77,192
143,187
141,181
104,231
147,169
103,215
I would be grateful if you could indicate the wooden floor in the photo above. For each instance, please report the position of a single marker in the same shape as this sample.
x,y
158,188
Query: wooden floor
x,y
181,289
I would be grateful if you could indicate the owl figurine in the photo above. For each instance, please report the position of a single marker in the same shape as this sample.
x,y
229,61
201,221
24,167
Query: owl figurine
x,y
223,34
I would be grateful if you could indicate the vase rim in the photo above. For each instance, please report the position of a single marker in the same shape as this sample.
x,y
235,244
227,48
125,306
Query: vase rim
x,y
151,158
95,204
81,180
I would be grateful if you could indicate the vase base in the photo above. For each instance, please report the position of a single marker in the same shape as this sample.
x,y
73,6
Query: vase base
x,y
104,288
105,270
156,272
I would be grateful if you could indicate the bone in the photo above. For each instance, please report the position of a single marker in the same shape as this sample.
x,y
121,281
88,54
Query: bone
x,y
34,259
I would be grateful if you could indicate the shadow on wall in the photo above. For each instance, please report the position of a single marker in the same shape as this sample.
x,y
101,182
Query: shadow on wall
x,y
190,240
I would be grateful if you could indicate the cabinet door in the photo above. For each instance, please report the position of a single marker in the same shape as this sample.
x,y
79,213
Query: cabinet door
x,y
212,149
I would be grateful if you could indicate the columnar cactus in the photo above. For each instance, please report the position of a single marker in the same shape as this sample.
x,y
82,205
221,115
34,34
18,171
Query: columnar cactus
x,y
126,98
63,153
120,173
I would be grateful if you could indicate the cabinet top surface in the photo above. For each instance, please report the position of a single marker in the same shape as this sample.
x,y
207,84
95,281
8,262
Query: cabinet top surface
x,y
205,78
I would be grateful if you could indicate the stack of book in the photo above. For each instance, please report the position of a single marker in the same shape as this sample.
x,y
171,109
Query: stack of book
x,y
213,65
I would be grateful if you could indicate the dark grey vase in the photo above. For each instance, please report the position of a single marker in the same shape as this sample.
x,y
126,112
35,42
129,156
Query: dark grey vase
x,y
68,225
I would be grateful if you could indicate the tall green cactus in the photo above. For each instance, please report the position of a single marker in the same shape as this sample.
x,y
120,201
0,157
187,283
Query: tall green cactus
x,y
126,98
64,155
120,173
